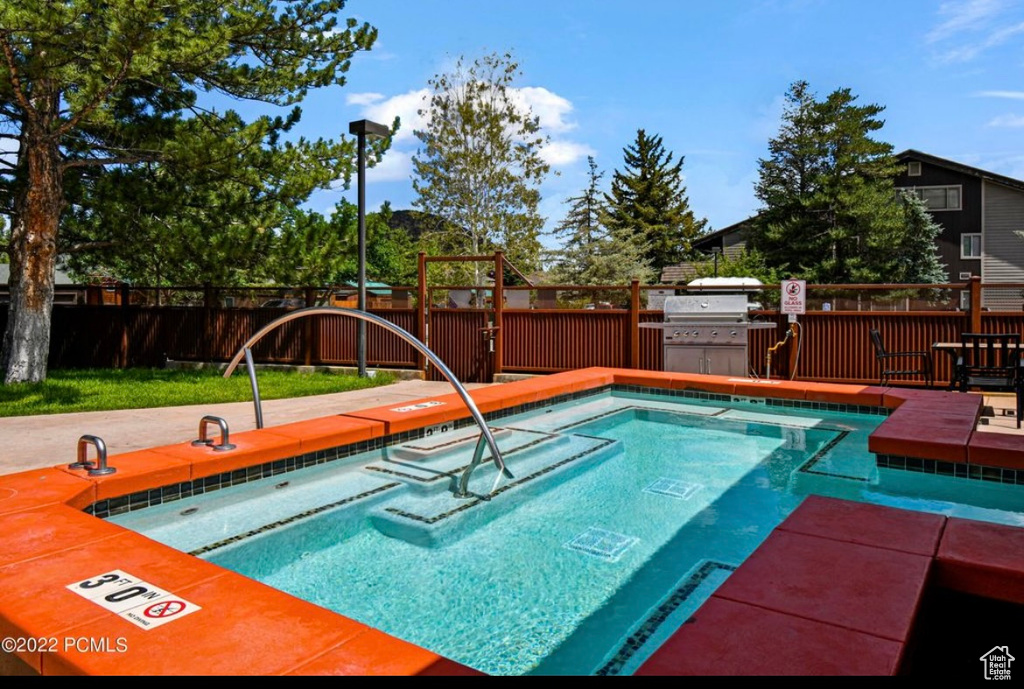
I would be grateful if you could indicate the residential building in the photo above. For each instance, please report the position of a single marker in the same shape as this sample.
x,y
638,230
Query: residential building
x,y
981,214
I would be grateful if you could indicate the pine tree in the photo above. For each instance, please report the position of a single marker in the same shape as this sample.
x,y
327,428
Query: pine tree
x,y
479,168
85,85
648,202
830,211
592,255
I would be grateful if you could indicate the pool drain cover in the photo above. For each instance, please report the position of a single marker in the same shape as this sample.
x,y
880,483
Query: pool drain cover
x,y
606,545
673,488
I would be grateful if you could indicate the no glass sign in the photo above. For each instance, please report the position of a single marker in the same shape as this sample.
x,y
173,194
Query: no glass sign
x,y
794,296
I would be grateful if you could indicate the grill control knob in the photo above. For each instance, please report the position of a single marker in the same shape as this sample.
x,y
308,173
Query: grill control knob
x,y
714,333
675,333
732,333
695,333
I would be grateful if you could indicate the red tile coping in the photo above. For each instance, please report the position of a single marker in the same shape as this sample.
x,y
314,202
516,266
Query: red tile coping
x,y
982,559
45,545
878,526
768,643
815,590
995,450
867,589
30,489
914,431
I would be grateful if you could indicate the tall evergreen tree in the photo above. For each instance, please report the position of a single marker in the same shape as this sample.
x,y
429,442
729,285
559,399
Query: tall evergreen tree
x,y
830,211
479,168
87,84
648,202
592,255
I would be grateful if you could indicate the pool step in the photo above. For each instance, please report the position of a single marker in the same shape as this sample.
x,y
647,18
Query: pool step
x,y
441,443
438,518
432,468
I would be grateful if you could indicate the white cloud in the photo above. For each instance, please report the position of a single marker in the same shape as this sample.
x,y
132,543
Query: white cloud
x,y
404,106
968,15
396,165
1013,95
1007,121
363,98
550,108
559,153
972,27
971,50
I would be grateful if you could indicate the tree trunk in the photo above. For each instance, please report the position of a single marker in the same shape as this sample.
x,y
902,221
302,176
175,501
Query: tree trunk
x,y
33,253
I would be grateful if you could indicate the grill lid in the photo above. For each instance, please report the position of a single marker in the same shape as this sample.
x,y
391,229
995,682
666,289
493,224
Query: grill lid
x,y
702,308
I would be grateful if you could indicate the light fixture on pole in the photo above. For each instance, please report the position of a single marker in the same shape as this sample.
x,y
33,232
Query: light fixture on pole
x,y
362,129
716,250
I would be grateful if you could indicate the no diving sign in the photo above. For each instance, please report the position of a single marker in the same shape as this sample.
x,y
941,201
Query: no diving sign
x,y
794,296
137,601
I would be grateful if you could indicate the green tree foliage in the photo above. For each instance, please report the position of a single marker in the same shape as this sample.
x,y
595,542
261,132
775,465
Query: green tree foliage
x,y
747,264
591,254
648,202
88,86
830,211
312,250
479,166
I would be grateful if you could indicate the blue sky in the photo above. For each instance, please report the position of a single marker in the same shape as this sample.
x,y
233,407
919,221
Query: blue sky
x,y
708,77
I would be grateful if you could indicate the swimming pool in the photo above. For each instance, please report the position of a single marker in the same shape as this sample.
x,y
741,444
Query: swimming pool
x,y
628,509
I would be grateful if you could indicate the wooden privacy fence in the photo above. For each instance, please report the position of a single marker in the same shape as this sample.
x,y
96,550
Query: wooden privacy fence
x,y
487,338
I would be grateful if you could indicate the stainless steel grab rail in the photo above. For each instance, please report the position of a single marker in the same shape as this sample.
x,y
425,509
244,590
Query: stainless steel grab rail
x,y
462,487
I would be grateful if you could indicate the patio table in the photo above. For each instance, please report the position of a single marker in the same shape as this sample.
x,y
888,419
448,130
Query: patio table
x,y
953,350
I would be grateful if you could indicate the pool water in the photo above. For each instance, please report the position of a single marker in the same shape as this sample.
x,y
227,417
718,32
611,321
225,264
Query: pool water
x,y
627,511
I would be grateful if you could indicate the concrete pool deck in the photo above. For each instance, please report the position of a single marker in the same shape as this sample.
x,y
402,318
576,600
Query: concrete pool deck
x,y
53,553
34,442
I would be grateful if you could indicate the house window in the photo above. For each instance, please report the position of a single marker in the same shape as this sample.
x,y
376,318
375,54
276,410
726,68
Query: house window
x,y
970,246
913,169
939,198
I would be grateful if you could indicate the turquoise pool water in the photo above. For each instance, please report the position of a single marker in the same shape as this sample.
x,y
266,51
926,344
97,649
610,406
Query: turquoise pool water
x,y
627,511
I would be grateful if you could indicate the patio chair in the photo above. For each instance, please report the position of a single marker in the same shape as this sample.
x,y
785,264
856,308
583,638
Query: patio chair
x,y
991,362
901,363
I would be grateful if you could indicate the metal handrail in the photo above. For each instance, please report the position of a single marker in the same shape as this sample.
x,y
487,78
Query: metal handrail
x,y
461,491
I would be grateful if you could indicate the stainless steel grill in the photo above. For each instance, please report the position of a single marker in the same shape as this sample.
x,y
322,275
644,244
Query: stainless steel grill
x,y
707,333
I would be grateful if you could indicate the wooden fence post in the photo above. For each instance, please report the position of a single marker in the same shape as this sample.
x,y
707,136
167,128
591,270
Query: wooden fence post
x,y
975,288
125,299
309,334
498,298
421,309
207,335
634,324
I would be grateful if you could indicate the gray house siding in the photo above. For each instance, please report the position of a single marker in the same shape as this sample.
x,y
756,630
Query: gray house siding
x,y
1003,241
954,223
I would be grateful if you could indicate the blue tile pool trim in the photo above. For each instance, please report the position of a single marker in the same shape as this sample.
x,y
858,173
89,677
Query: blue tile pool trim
x,y
508,486
647,628
808,466
295,517
767,401
457,471
158,496
955,469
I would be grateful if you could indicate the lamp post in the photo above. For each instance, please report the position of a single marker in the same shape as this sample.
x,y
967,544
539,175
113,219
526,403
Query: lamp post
x,y
362,129
715,250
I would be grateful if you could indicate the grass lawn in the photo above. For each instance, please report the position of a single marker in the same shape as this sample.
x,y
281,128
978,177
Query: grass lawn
x,y
140,388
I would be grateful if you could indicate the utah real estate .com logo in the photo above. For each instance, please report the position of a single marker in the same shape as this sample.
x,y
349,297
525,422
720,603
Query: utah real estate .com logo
x,y
997,663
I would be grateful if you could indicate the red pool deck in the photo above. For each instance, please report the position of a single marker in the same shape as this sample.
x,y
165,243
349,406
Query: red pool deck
x,y
47,542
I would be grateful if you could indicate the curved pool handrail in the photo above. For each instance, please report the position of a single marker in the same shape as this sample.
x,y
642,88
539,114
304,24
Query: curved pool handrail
x,y
485,432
